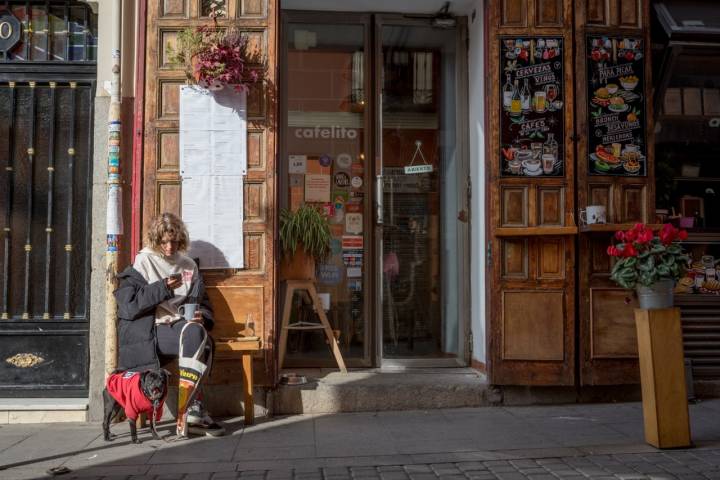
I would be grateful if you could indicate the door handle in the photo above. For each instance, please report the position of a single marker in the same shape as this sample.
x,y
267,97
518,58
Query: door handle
x,y
379,200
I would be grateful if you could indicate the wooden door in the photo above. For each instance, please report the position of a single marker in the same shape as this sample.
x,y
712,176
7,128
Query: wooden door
x,y
532,230
608,342
247,294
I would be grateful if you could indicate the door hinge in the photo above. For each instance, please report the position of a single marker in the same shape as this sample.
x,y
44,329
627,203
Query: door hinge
x,y
488,256
470,343
468,187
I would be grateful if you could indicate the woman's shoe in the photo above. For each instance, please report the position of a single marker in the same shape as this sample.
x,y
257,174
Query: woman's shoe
x,y
200,423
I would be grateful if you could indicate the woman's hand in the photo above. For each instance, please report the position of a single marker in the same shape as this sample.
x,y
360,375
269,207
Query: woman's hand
x,y
174,281
198,318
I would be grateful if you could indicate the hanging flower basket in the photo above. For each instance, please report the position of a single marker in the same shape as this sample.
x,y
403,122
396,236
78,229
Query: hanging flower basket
x,y
213,58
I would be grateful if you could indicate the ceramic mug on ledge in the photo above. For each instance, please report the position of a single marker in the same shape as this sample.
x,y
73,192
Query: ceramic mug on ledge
x,y
593,214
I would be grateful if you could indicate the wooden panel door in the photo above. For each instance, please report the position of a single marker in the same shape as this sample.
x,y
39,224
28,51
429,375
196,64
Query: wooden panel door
x,y
608,344
239,296
532,230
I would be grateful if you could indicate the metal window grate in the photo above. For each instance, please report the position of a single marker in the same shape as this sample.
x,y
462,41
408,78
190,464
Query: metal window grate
x,y
45,168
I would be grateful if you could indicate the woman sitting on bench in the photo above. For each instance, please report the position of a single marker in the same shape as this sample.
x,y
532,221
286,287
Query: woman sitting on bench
x,y
151,322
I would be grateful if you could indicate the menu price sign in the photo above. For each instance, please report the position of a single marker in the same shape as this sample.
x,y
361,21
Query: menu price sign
x,y
532,107
616,106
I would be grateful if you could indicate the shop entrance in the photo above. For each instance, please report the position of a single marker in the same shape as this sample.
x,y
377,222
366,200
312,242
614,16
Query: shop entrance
x,y
370,110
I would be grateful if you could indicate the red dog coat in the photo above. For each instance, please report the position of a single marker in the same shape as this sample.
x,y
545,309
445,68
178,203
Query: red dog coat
x,y
125,389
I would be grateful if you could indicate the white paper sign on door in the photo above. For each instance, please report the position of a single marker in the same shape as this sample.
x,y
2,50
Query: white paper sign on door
x,y
297,163
317,188
213,159
354,223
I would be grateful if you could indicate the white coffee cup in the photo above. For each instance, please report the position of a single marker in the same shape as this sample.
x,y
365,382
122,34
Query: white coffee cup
x,y
593,214
188,310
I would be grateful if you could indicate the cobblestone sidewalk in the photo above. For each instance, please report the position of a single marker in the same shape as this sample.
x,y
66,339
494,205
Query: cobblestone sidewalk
x,y
701,464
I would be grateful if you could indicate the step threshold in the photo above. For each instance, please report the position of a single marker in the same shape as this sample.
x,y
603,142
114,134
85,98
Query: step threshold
x,y
40,404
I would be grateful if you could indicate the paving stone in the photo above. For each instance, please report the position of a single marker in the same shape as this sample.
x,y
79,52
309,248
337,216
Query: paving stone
x,y
452,477
422,476
566,473
511,476
308,476
591,471
418,469
225,476
198,476
277,474
363,470
394,475
466,466
336,471
545,476
480,475
503,469
631,476
525,462
549,461
390,468
446,469
533,471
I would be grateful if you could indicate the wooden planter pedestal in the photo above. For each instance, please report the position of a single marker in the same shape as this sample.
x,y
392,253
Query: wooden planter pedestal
x,y
662,376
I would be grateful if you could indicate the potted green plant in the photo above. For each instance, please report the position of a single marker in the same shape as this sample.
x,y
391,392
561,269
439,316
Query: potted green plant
x,y
649,263
305,237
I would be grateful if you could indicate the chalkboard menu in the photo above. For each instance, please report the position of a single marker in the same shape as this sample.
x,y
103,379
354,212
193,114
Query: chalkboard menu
x,y
532,113
616,106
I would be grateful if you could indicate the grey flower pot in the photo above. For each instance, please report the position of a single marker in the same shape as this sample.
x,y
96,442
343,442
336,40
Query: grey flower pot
x,y
657,295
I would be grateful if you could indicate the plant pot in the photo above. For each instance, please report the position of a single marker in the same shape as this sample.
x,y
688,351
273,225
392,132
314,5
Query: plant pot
x,y
657,295
213,86
300,266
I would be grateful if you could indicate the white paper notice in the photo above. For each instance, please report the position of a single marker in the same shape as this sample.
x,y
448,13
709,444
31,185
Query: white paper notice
x,y
213,131
213,160
317,188
114,211
212,209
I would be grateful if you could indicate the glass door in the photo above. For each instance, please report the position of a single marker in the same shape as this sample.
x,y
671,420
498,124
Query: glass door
x,y
418,168
370,119
325,139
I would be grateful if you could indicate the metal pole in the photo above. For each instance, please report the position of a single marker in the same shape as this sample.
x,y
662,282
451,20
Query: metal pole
x,y
114,227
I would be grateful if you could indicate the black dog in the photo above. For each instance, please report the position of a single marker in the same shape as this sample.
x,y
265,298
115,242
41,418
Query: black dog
x,y
135,393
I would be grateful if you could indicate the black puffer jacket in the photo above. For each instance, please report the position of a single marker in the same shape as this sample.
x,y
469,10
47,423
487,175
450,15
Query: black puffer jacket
x,y
136,302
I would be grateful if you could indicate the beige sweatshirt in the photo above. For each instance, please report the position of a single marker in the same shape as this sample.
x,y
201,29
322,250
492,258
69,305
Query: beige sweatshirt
x,y
153,266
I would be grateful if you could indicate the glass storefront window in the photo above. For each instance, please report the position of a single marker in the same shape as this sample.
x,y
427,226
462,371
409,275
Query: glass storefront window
x,y
326,154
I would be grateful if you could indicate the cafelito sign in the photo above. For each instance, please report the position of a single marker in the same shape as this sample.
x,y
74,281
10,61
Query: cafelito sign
x,y
10,29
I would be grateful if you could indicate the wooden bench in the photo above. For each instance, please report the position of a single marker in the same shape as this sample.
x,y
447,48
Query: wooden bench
x,y
242,347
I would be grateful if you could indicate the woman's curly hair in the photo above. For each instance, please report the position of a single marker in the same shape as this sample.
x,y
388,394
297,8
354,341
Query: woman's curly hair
x,y
167,224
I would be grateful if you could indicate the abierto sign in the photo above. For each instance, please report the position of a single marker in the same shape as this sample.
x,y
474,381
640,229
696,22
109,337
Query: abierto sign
x,y
418,169
10,31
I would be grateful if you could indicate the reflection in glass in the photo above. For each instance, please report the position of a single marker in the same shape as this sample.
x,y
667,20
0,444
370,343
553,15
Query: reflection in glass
x,y
419,167
325,142
39,33
54,32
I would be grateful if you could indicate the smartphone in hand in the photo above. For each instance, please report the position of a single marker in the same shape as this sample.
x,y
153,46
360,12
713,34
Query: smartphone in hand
x,y
174,281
